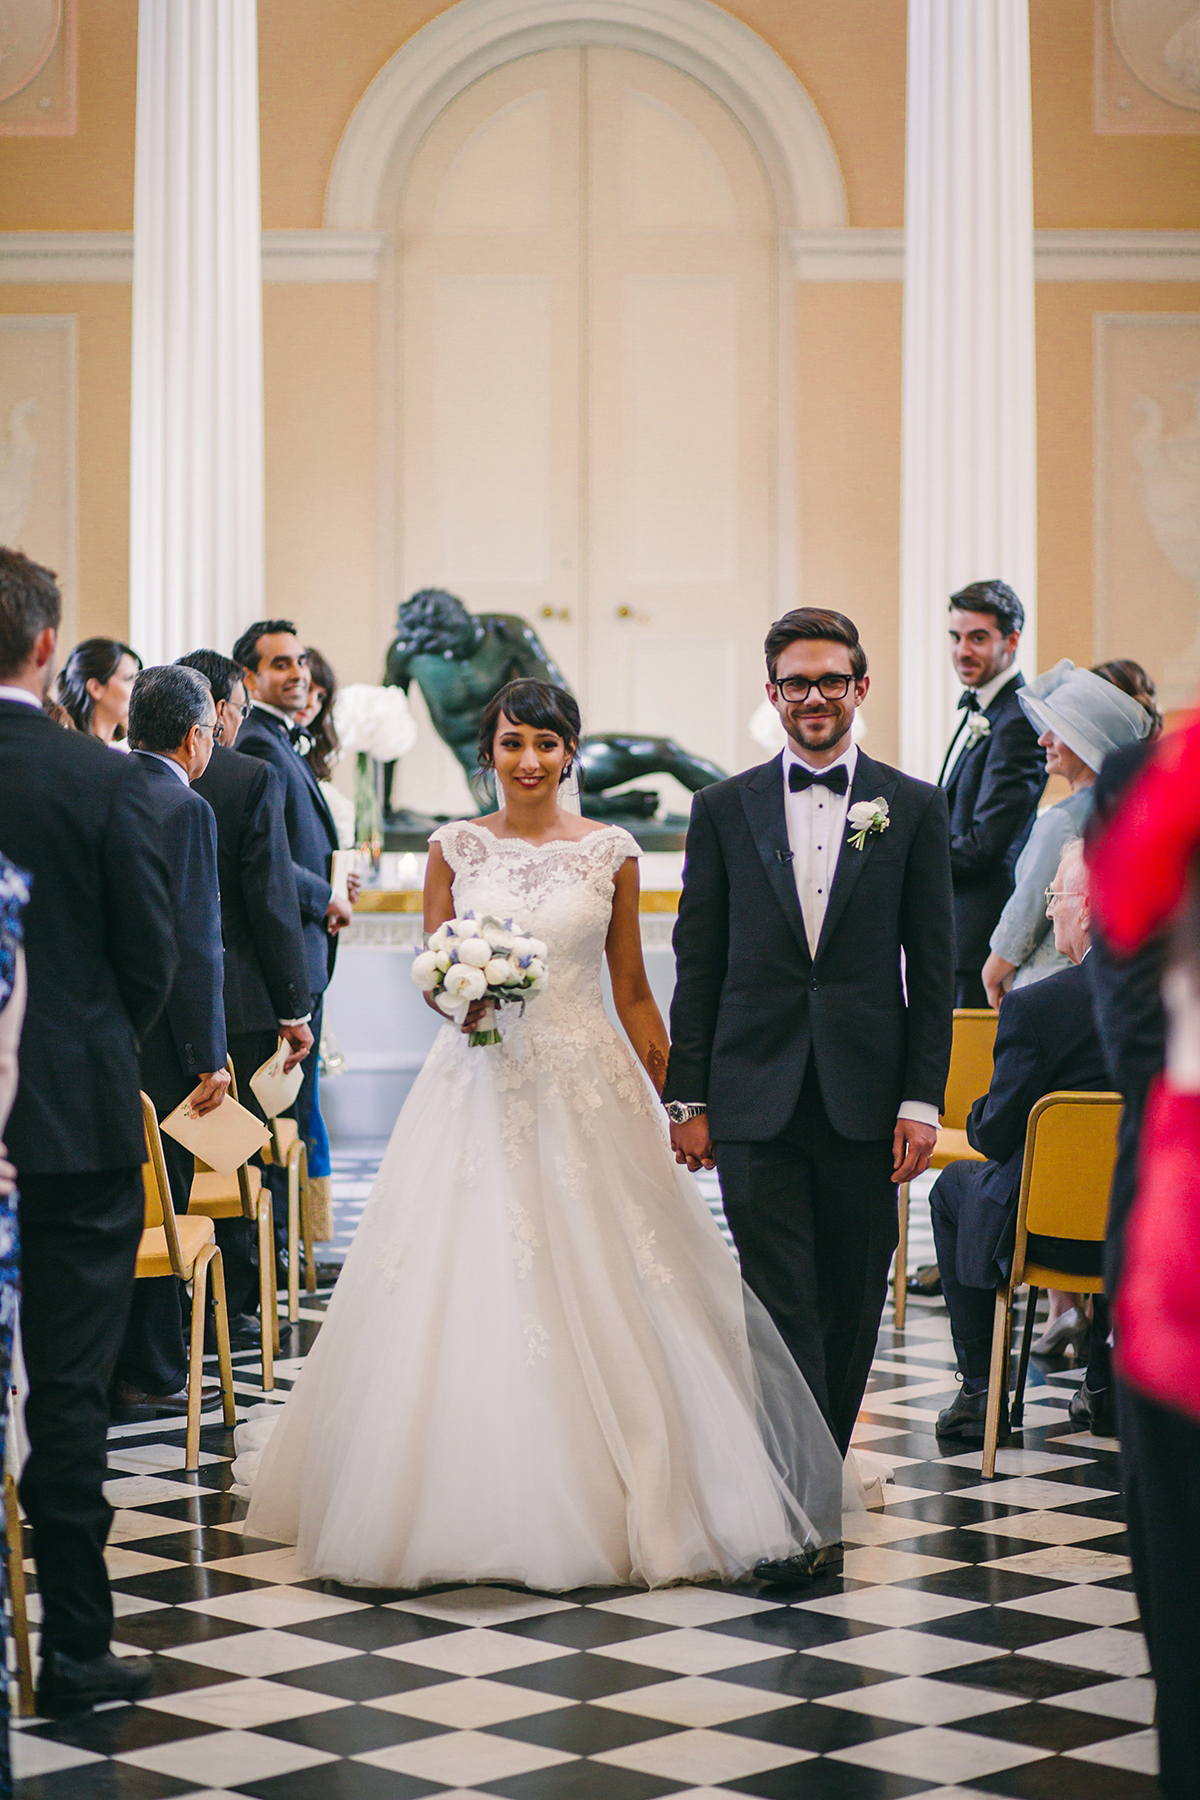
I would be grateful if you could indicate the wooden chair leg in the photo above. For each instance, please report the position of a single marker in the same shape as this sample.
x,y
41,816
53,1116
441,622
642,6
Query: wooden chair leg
x,y
310,1261
1017,1409
191,1455
293,1232
266,1289
997,1380
221,1328
899,1284
16,1594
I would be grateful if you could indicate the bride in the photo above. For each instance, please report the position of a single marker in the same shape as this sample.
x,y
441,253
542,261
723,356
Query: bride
x,y
540,1364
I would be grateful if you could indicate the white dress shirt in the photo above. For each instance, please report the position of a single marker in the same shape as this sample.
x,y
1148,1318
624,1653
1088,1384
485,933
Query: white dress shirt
x,y
961,739
816,828
23,695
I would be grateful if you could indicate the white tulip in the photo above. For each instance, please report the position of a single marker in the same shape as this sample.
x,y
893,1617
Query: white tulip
x,y
476,951
499,972
425,970
464,981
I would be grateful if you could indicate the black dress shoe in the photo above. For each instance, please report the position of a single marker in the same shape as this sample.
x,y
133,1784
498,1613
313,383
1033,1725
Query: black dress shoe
x,y
967,1417
130,1405
1095,1410
67,1686
245,1333
926,1283
327,1273
797,1571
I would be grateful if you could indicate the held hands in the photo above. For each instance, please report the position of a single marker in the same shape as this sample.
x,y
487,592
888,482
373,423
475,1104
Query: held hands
x,y
210,1093
8,1175
299,1040
912,1149
338,914
475,1012
997,978
692,1144
353,885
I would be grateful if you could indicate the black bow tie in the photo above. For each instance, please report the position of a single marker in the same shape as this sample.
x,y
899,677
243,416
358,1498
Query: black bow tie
x,y
968,699
299,739
836,780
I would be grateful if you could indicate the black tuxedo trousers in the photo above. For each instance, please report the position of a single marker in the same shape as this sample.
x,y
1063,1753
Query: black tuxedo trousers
x,y
789,1203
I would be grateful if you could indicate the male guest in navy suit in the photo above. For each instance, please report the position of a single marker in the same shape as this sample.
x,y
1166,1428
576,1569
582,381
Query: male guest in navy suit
x,y
276,666
993,774
171,724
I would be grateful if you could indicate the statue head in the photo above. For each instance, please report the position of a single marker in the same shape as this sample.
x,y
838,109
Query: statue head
x,y
435,623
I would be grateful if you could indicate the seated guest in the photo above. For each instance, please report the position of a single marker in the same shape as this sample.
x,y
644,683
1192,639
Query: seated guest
x,y
1133,680
171,723
1046,1039
266,972
95,686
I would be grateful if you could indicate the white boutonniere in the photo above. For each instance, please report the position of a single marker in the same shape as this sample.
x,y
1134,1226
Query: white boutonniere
x,y
978,726
865,818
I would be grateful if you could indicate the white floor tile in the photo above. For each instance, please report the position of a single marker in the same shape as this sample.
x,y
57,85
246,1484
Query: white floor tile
x,y
884,1528
873,1562
1065,1562
697,1700
1109,1651
686,1606
1049,1527
934,1754
33,1756
690,1652
127,1565
1137,1753
144,1459
1010,1461
131,1526
889,1606
905,1652
867,1434
227,1758
149,1490
274,1607
262,1653
1086,1441
280,1568
483,1606
1027,1490
1132,1699
475,1652
708,1756
462,1758
1082,1603
914,1700
470,1705
244,1705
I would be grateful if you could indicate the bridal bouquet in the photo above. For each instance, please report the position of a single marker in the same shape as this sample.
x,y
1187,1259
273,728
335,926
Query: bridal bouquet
x,y
472,959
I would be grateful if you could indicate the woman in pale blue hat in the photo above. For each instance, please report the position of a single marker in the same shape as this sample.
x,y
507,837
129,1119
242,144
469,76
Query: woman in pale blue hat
x,y
1080,717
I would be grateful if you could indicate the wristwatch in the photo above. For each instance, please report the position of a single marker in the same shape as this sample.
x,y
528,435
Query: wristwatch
x,y
680,1111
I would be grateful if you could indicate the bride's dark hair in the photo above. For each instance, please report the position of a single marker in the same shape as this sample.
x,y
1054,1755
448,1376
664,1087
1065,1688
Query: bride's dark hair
x,y
536,703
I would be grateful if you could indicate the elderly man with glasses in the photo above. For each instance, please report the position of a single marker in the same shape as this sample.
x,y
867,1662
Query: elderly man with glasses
x,y
1046,1040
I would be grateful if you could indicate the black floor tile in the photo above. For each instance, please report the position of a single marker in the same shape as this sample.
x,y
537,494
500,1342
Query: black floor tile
x,y
584,1677
582,1781
1024,1676
804,1677
1044,1726
990,1586
102,1781
185,1582
341,1781
1074,1780
375,1628
1002,1627
363,1677
791,1629
583,1629
114,1730
583,1730
813,1727
351,1730
172,1628
828,1781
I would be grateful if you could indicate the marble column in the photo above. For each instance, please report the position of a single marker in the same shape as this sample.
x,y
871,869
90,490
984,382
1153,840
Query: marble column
x,y
969,506
196,505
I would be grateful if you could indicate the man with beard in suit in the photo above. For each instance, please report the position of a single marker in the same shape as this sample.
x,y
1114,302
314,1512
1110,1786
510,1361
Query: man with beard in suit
x,y
266,972
276,674
993,773
101,955
171,723
816,890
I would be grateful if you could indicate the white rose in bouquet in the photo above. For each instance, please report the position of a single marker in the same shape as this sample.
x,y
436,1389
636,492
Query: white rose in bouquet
x,y
468,959
498,936
463,982
537,948
476,951
427,966
500,971
535,972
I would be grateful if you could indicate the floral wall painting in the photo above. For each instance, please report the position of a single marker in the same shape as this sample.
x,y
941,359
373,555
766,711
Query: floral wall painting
x,y
38,85
37,446
1147,66
1147,514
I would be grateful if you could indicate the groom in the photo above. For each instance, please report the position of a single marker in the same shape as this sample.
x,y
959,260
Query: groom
x,y
810,1029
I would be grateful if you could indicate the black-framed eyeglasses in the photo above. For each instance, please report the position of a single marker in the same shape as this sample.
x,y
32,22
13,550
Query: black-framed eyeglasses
x,y
830,687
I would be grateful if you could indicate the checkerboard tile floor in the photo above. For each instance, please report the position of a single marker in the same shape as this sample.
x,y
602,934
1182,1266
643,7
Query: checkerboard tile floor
x,y
982,1641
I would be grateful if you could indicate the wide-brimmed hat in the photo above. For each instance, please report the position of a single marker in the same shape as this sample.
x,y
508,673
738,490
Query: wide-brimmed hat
x,y
1089,714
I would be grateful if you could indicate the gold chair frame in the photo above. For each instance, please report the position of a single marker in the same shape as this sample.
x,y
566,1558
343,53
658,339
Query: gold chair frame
x,y
287,1150
1078,1131
14,1548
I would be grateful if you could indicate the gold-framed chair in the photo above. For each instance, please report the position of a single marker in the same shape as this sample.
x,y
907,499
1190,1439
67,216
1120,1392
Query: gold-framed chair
x,y
971,1053
245,1195
1066,1178
14,1550
287,1150
186,1247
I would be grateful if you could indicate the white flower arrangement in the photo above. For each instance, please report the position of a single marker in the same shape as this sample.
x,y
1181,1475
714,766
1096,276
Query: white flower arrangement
x,y
865,819
467,959
374,721
978,726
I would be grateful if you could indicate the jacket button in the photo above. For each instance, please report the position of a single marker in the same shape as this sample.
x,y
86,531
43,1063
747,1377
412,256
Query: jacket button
x,y
813,985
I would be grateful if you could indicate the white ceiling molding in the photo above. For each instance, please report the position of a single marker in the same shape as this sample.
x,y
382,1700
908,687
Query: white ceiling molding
x,y
476,36
52,257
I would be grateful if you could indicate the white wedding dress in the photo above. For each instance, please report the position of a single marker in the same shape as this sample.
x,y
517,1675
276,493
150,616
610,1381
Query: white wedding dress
x,y
540,1363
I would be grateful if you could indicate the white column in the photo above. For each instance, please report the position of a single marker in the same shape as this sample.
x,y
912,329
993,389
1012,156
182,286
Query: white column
x,y
969,508
196,506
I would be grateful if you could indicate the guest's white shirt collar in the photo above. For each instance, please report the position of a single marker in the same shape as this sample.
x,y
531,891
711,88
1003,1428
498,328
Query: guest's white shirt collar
x,y
275,712
169,761
849,758
987,693
22,695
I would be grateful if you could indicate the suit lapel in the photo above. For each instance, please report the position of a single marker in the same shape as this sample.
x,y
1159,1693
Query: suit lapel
x,y
762,803
871,782
272,723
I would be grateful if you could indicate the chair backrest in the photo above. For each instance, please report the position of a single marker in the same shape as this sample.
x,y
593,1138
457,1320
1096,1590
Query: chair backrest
x,y
157,1189
1066,1177
971,1054
243,1178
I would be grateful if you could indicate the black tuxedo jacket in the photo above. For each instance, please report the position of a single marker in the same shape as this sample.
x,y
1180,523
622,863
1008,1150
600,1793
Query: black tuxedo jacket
x,y
99,942
1046,1039
266,968
752,1001
188,1038
993,792
311,834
